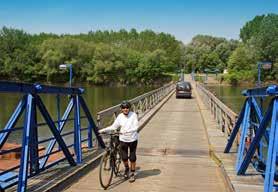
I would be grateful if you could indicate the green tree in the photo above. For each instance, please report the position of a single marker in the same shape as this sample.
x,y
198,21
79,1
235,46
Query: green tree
x,y
251,28
16,54
208,52
240,59
261,36
101,57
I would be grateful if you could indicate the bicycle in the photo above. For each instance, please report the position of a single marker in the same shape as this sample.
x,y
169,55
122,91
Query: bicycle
x,y
110,161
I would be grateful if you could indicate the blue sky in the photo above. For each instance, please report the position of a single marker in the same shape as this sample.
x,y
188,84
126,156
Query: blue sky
x,y
181,18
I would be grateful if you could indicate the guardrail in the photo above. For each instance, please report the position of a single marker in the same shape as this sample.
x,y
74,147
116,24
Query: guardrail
x,y
224,116
254,131
141,105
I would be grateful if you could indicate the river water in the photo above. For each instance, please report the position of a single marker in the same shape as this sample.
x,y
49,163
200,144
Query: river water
x,y
232,96
229,95
96,97
102,97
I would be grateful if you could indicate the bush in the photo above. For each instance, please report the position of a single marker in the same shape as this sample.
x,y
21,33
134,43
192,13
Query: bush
x,y
236,77
232,78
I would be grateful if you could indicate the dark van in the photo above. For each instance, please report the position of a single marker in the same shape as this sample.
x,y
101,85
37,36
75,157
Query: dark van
x,y
183,89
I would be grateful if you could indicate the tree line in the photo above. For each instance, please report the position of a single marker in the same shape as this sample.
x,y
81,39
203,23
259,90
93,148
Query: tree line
x,y
100,57
131,57
258,43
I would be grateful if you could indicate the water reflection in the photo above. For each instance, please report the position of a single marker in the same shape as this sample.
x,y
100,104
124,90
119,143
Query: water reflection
x,y
229,95
96,97
233,98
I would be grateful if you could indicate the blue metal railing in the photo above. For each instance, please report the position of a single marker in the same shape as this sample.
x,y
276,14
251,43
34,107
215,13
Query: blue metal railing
x,y
31,104
260,130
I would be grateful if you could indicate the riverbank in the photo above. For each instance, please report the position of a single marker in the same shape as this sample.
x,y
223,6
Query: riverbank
x,y
243,83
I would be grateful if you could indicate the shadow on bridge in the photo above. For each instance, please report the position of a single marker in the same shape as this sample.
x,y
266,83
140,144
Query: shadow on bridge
x,y
140,174
147,173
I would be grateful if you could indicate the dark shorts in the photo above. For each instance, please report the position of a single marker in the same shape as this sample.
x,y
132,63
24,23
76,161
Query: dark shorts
x,y
131,146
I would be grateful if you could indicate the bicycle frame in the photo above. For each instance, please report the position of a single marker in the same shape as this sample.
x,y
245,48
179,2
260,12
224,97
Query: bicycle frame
x,y
114,149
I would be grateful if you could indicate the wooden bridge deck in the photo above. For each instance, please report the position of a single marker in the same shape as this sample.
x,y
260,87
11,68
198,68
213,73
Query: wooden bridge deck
x,y
172,155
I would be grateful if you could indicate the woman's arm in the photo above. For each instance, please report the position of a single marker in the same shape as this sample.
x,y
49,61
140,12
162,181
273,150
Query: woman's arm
x,y
113,127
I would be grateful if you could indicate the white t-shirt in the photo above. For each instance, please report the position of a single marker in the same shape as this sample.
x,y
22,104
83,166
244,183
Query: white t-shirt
x,y
128,125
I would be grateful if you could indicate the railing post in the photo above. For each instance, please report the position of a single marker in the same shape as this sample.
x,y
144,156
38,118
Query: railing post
x,y
77,131
226,125
58,113
221,120
217,116
99,124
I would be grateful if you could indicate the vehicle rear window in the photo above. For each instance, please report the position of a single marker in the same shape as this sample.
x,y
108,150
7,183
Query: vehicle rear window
x,y
184,85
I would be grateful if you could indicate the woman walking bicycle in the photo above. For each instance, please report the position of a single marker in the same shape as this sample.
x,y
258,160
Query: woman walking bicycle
x,y
127,123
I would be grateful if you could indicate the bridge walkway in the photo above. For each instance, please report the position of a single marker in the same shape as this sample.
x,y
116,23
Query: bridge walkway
x,y
172,155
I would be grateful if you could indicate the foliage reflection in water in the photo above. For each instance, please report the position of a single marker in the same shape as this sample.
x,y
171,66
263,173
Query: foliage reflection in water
x,y
96,97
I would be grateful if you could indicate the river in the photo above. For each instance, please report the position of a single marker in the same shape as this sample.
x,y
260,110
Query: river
x,y
232,96
229,95
96,97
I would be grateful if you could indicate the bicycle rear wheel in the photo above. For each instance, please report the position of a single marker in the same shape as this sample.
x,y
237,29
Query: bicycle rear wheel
x,y
106,170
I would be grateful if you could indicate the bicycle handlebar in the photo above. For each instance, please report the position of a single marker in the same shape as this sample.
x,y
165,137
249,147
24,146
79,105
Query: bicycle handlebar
x,y
110,133
113,133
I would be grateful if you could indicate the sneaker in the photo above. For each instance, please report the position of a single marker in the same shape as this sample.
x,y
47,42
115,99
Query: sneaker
x,y
126,174
132,177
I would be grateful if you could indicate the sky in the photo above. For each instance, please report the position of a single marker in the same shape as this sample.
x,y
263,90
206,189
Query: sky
x,y
182,18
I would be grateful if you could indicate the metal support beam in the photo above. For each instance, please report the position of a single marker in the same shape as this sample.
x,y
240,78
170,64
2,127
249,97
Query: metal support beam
x,y
257,92
257,109
272,150
54,131
6,86
77,131
91,121
23,170
13,120
256,140
53,142
235,129
244,129
33,142
272,90
30,162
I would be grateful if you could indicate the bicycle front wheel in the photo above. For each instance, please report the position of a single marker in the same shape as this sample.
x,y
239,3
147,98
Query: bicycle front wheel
x,y
106,170
117,161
